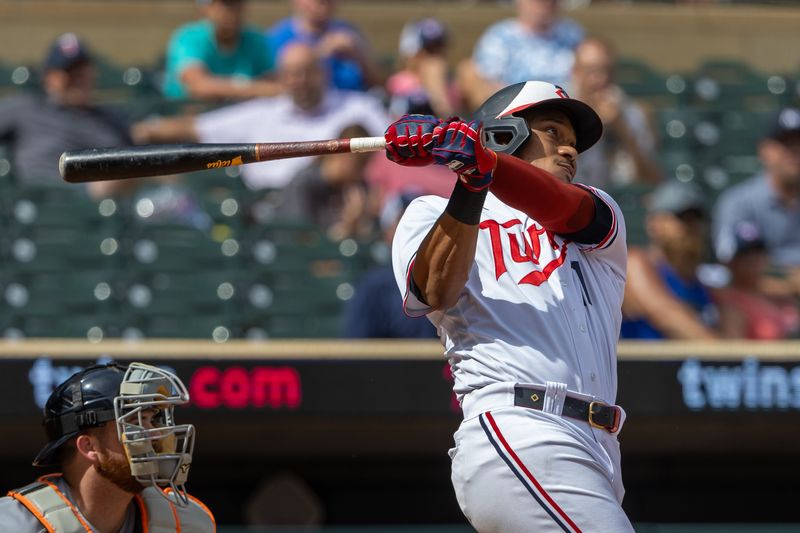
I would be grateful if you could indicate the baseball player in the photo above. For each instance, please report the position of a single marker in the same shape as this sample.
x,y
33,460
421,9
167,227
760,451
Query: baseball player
x,y
112,432
522,272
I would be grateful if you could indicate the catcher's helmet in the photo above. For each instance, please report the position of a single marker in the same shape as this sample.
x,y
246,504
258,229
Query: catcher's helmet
x,y
505,131
83,401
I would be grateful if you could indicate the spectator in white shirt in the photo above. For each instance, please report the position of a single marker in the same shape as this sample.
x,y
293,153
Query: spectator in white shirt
x,y
307,110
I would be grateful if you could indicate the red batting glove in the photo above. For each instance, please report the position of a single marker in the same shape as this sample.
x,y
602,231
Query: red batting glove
x,y
460,147
410,139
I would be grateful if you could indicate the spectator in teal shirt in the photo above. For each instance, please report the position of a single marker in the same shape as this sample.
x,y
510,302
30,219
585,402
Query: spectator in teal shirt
x,y
219,57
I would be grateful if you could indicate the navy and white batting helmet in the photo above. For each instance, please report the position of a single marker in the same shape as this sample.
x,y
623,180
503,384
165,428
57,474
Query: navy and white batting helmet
x,y
506,131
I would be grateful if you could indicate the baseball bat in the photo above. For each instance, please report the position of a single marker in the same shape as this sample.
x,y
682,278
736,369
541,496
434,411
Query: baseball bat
x,y
103,164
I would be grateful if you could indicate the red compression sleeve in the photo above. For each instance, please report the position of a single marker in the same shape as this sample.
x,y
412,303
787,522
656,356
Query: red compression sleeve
x,y
559,207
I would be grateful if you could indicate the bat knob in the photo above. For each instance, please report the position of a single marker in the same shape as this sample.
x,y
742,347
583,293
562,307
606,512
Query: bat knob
x,y
62,165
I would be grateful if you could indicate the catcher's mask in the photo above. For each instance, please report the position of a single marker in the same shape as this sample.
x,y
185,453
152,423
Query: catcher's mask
x,y
158,449
506,131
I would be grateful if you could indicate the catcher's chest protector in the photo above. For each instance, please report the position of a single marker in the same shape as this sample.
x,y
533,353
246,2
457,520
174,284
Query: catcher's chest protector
x,y
58,515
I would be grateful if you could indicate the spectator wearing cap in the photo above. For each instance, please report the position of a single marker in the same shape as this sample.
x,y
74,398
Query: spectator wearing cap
x,y
376,308
771,202
422,85
342,46
39,127
664,299
218,57
745,312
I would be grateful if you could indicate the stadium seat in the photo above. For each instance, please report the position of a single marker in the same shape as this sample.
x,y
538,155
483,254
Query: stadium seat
x,y
61,207
91,327
54,249
642,82
219,328
54,294
178,248
632,200
730,84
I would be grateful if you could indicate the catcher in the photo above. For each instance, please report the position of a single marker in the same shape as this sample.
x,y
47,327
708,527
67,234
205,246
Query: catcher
x,y
122,458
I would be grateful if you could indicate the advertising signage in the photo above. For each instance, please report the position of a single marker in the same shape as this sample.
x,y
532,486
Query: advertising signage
x,y
417,387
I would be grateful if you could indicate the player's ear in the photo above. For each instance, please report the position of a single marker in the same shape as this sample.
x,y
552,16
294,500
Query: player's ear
x,y
87,446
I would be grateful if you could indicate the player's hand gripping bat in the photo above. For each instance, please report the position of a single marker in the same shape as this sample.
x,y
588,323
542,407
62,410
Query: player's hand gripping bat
x,y
102,164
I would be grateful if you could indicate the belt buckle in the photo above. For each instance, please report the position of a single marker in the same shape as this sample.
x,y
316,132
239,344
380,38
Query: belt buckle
x,y
593,407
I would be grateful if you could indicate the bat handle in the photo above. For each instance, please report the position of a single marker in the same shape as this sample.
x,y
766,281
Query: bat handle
x,y
367,144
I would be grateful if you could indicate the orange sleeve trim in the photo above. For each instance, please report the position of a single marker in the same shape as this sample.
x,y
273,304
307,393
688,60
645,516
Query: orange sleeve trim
x,y
200,504
143,513
35,511
74,509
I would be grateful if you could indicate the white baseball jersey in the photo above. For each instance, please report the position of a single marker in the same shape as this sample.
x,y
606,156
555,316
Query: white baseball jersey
x,y
536,307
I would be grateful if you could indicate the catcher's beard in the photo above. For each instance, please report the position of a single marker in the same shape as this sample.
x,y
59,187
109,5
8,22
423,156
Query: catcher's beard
x,y
118,472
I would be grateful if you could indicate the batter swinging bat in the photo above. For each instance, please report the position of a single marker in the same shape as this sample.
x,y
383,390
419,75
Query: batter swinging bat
x,y
103,164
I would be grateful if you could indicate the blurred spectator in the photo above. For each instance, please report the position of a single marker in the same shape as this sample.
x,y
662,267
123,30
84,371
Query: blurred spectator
x,y
64,117
219,57
663,296
376,309
342,46
626,152
422,85
771,202
331,193
536,45
746,313
307,111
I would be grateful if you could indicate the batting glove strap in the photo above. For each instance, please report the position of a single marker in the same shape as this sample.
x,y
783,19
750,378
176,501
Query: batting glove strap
x,y
461,149
409,140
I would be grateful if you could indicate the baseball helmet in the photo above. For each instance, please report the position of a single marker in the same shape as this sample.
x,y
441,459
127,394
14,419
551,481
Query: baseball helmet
x,y
506,131
84,400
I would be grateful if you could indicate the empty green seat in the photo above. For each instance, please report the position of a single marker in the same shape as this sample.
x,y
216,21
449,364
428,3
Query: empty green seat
x,y
732,84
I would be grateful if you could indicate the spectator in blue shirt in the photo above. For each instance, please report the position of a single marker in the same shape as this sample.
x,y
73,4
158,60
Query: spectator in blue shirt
x,y
376,309
219,57
535,45
342,46
663,296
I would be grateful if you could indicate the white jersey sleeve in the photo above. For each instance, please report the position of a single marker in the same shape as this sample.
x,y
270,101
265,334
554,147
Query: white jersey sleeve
x,y
417,221
613,247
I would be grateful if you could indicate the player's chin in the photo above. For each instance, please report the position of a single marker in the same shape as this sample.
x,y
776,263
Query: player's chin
x,y
562,173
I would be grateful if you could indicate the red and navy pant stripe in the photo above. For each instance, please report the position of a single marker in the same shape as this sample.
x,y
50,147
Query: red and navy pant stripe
x,y
525,476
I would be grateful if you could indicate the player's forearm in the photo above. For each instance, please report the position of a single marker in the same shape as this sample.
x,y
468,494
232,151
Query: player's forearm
x,y
217,88
559,207
443,261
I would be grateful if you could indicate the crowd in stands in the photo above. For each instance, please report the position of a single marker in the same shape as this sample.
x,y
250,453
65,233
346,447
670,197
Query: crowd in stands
x,y
713,264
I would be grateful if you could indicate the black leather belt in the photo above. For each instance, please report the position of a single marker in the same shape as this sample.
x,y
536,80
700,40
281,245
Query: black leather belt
x,y
598,414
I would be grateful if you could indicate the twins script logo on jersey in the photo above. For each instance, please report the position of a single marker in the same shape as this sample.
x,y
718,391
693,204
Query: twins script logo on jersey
x,y
534,238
